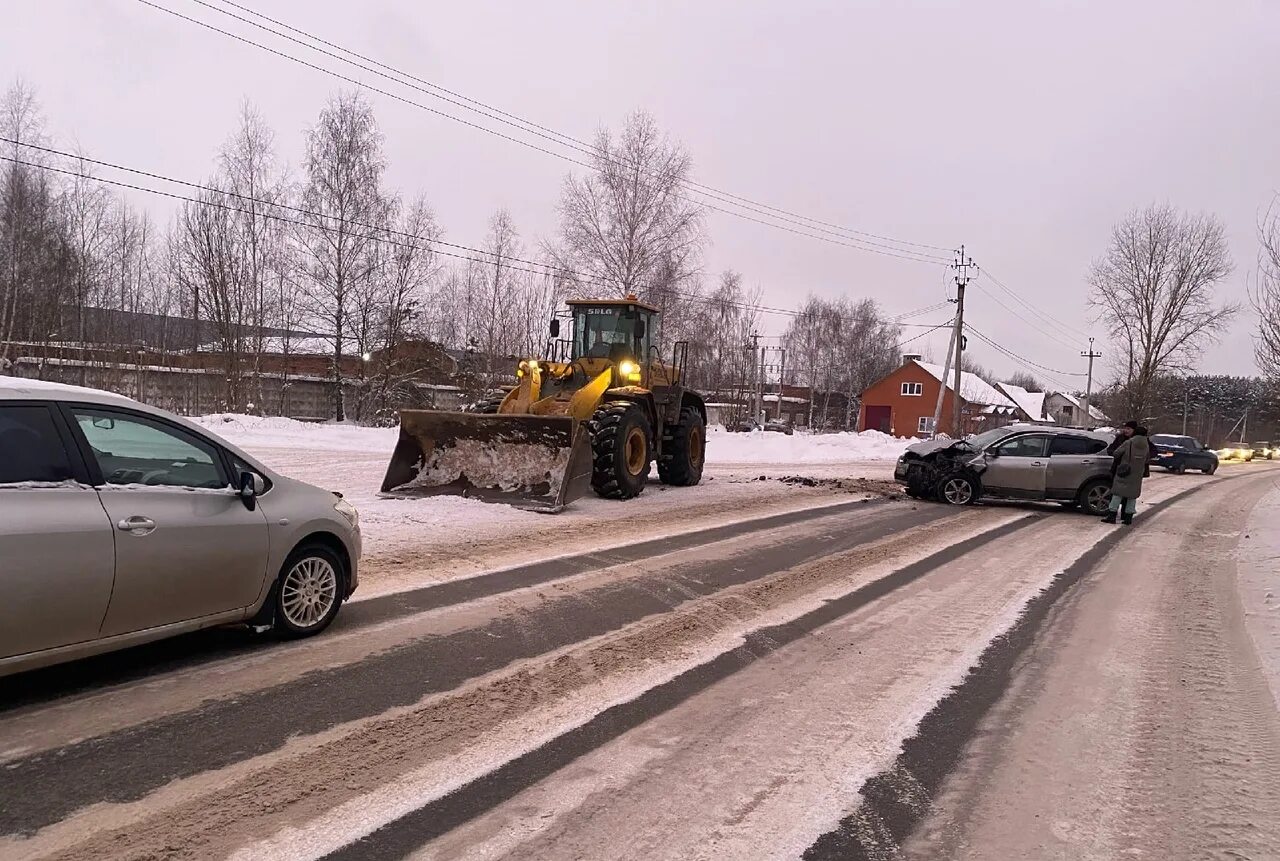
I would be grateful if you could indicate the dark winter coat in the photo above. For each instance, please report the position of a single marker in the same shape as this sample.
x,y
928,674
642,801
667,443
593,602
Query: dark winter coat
x,y
1135,451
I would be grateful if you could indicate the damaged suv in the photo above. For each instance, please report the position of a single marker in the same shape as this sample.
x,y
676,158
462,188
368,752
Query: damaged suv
x,y
1064,465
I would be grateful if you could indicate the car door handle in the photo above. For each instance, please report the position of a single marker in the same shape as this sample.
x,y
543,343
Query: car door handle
x,y
137,524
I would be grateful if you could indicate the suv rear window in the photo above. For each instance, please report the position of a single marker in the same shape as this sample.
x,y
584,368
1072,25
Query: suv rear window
x,y
30,447
1064,445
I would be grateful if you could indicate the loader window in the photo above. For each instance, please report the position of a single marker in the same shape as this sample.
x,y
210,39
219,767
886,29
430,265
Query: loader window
x,y
607,332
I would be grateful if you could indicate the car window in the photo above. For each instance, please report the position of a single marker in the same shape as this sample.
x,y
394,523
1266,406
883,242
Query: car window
x,y
1023,446
1075,445
132,449
30,447
238,466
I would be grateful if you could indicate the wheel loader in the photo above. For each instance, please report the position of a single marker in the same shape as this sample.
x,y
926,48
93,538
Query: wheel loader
x,y
597,416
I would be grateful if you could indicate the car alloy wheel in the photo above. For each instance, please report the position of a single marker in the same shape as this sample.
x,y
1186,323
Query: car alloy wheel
x,y
1098,499
308,592
957,491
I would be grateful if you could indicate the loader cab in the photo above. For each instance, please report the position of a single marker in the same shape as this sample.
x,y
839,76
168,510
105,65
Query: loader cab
x,y
613,330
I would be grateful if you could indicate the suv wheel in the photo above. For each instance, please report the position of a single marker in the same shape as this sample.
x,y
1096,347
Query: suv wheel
x,y
1210,469
1095,497
308,591
1179,468
958,488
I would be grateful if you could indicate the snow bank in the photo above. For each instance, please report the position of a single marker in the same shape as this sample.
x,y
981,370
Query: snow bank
x,y
757,447
250,431
764,447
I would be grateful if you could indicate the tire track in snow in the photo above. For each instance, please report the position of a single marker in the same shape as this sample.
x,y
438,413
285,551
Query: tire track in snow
x,y
205,647
404,835
895,801
144,757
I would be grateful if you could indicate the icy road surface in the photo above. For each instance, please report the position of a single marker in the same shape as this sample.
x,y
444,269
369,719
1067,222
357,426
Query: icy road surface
x,y
746,670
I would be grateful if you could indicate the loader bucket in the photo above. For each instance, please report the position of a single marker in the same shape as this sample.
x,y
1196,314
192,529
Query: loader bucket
x,y
540,463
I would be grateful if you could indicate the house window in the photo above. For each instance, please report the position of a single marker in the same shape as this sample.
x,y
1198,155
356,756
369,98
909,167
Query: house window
x,y
925,424
912,390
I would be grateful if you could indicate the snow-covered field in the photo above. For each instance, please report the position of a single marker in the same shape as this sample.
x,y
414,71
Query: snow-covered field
x,y
723,447
409,540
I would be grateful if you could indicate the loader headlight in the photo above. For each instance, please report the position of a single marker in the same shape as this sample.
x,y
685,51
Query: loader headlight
x,y
629,370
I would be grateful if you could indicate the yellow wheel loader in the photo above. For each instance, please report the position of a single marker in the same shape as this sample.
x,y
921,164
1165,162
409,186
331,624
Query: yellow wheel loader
x,y
597,417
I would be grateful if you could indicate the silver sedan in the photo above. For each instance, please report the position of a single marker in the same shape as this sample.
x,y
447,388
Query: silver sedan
x,y
121,524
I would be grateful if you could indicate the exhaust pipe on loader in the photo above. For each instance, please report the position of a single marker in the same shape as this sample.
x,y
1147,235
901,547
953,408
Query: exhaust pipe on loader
x,y
541,463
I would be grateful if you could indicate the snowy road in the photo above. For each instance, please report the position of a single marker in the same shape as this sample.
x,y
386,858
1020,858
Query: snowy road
x,y
752,669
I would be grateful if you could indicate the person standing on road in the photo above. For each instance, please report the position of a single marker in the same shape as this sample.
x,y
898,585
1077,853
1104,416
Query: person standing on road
x,y
1130,455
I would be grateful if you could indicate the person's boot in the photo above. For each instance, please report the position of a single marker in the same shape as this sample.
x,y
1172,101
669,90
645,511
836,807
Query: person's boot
x,y
1126,519
1110,517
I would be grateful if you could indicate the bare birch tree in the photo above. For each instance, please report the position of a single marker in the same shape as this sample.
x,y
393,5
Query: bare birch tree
x,y
1265,295
629,222
256,184
1154,290
86,212
343,196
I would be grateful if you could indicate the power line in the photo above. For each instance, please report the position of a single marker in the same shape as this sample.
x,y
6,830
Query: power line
x,y
530,124
857,244
1034,367
1070,331
1047,333
500,115
378,233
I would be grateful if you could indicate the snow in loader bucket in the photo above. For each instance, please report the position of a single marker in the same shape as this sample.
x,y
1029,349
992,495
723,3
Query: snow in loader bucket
x,y
540,463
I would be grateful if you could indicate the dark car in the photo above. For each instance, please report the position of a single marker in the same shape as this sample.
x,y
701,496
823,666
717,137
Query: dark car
x,y
1180,453
774,426
1031,462
1265,450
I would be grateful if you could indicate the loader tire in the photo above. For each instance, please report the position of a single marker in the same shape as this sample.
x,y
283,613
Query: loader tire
x,y
621,450
684,447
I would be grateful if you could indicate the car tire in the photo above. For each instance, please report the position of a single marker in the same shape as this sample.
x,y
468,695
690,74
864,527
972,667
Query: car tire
x,y
1210,469
958,488
1179,469
1094,497
308,593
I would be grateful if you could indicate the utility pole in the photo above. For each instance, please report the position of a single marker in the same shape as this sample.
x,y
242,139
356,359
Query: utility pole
x,y
962,265
757,361
1244,424
1088,386
942,384
782,378
1186,406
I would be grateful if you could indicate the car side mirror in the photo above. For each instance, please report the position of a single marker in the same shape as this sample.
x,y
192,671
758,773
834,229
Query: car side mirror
x,y
104,423
251,487
555,328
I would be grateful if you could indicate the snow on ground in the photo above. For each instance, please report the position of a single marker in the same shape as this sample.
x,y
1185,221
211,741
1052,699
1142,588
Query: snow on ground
x,y
1257,556
758,447
407,540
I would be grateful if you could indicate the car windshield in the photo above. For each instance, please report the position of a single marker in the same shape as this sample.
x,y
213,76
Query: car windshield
x,y
986,438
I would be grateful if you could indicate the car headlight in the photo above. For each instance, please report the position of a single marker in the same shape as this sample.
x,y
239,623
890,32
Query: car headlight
x,y
347,510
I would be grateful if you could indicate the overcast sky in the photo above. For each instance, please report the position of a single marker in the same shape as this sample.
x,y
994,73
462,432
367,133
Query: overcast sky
x,y
1022,129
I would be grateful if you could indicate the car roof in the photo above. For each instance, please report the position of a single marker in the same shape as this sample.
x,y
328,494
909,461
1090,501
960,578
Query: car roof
x,y
1052,430
23,389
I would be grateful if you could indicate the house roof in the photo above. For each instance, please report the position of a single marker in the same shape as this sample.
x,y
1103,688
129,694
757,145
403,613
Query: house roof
x,y
1031,403
1094,412
973,388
